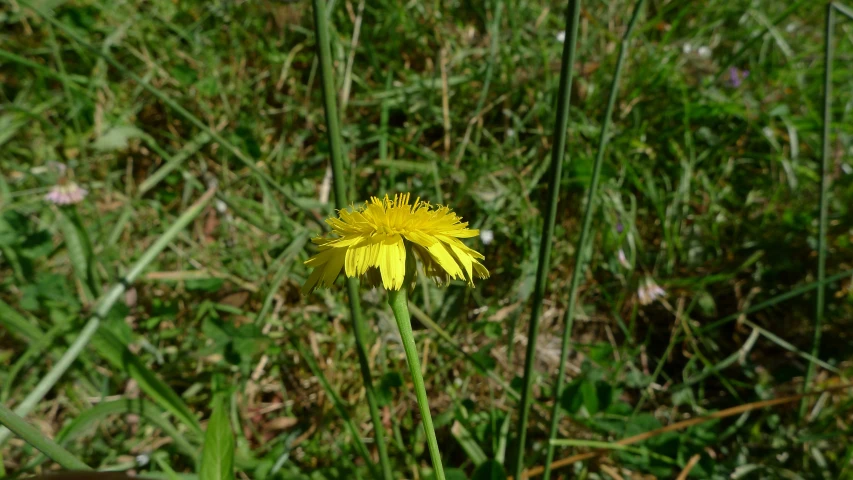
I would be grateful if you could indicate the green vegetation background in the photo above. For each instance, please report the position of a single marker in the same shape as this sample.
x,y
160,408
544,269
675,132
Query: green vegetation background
x,y
710,186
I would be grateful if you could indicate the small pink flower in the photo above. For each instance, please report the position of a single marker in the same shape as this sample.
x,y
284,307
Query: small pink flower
x,y
66,193
623,260
649,291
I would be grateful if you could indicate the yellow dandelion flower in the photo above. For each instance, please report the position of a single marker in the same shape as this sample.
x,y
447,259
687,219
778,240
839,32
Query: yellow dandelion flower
x,y
372,241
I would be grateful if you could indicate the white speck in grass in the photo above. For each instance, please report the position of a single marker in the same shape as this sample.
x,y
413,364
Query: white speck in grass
x,y
142,459
848,170
561,36
623,259
510,132
686,49
487,236
791,27
704,51
221,206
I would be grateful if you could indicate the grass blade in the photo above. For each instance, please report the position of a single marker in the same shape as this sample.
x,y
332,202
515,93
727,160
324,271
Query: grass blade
x,y
557,154
824,199
337,401
17,324
155,386
580,259
217,457
172,161
339,179
113,349
32,436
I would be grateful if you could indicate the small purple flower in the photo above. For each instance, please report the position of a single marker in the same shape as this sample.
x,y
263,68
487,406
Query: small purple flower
x,y
66,193
737,76
619,227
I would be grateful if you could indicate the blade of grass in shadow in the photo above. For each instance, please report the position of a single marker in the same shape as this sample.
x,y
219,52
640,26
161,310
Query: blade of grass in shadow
x,y
172,161
175,404
360,329
580,258
432,325
557,154
824,198
731,359
337,401
183,112
772,301
32,436
759,35
282,264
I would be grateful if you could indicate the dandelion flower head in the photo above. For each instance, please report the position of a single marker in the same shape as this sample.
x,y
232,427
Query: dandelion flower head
x,y
373,241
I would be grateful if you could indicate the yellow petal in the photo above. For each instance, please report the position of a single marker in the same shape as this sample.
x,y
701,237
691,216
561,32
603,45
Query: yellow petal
x,y
392,262
420,238
439,253
311,283
333,268
464,261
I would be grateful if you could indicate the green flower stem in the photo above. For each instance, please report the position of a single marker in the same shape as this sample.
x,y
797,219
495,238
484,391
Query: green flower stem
x,y
31,435
398,299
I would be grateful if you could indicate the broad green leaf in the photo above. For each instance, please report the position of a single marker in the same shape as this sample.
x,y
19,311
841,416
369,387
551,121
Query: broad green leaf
x,y
217,456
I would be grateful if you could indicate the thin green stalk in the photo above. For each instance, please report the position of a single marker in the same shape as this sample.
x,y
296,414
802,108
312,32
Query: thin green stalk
x,y
580,259
398,300
847,12
824,198
360,329
32,436
557,154
105,304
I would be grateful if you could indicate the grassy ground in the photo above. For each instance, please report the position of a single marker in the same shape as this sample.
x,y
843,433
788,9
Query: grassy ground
x,y
710,188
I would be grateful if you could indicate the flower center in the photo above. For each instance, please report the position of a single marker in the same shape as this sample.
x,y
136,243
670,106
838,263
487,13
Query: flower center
x,y
389,230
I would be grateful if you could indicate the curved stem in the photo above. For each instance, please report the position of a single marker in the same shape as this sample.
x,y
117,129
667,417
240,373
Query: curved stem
x,y
398,300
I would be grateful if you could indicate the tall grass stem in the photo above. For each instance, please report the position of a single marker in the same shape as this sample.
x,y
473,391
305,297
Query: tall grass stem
x,y
586,230
828,52
558,152
321,29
